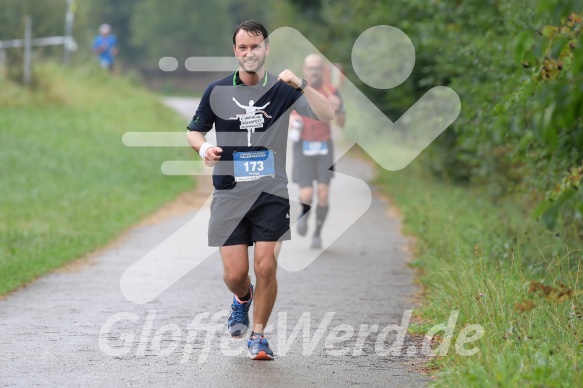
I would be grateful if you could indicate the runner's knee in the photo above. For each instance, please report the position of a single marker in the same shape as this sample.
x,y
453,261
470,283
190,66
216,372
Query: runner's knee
x,y
235,278
265,267
322,195
306,194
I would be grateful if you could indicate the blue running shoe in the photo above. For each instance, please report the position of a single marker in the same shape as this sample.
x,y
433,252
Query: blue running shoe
x,y
259,348
238,322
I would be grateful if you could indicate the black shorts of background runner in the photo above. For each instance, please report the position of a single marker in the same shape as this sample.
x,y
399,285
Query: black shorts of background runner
x,y
237,221
307,169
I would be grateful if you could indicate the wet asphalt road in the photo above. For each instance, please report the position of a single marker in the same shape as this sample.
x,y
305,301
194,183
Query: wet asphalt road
x,y
76,328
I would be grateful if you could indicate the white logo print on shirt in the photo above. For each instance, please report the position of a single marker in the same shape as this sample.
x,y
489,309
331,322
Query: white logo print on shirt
x,y
251,119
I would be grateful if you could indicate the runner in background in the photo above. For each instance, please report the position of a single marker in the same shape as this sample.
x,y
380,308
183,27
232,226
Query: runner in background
x,y
313,151
105,47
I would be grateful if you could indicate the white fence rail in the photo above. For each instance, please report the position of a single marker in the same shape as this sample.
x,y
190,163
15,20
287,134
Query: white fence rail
x,y
67,41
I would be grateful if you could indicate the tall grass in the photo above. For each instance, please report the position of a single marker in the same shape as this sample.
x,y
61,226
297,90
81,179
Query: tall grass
x,y
503,271
68,184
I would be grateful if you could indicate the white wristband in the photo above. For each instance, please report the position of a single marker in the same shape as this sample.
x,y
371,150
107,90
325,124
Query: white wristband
x,y
204,148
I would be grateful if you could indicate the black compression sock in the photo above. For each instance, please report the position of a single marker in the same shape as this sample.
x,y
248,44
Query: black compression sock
x,y
321,213
246,297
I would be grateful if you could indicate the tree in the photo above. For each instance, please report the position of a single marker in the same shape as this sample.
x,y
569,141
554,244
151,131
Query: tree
x,y
517,67
182,30
48,17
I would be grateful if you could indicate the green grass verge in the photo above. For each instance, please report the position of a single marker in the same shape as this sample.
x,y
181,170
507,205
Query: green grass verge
x,y
68,184
502,270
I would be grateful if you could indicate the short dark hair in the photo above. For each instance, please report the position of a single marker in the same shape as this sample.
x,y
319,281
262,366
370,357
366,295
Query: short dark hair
x,y
252,27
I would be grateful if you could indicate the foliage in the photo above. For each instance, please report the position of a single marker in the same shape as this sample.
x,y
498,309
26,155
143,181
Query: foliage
x,y
503,271
181,30
48,17
517,68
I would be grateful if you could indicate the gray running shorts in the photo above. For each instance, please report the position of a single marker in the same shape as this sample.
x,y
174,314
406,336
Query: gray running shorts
x,y
237,221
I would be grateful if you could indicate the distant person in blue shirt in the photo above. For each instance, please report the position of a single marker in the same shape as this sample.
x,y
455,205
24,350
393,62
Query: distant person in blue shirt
x,y
105,46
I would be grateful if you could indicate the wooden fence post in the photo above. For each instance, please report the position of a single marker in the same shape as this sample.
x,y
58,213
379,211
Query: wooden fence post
x,y
68,31
27,49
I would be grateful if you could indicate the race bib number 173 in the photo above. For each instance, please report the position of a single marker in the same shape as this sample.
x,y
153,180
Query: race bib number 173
x,y
253,165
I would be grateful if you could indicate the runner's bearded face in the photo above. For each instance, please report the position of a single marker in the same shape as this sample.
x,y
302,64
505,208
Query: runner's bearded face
x,y
250,51
314,71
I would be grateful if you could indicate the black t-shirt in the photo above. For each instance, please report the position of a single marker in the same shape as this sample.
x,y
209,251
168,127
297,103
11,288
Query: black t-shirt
x,y
249,118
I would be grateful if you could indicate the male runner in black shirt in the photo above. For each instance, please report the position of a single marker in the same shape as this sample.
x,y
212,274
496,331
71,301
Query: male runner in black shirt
x,y
250,110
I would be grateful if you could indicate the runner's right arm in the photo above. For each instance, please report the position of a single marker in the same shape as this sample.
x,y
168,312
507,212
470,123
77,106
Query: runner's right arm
x,y
201,123
197,141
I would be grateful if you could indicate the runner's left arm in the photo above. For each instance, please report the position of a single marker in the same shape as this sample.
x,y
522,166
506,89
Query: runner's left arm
x,y
318,102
